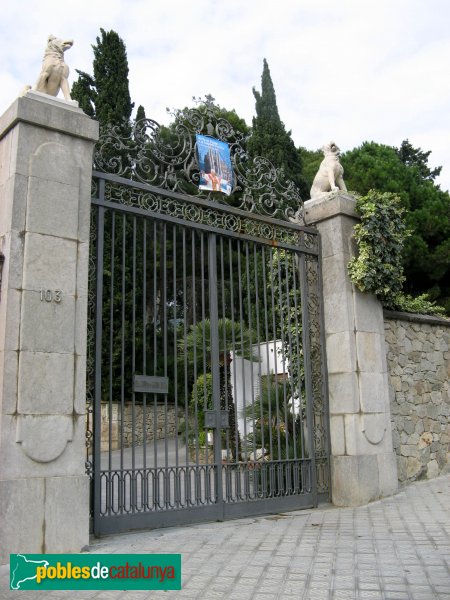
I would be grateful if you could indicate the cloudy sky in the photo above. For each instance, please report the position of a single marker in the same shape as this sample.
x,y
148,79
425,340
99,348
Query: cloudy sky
x,y
348,70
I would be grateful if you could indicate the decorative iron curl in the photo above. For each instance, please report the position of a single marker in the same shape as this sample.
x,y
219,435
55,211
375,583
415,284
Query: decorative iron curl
x,y
166,157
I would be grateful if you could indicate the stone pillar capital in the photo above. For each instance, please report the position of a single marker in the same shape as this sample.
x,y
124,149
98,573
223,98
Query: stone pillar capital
x,y
53,114
330,205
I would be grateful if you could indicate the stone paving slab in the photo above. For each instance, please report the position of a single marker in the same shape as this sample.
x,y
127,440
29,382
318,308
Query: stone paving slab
x,y
394,549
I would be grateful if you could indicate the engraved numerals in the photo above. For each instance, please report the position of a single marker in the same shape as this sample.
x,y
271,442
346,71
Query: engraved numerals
x,y
51,295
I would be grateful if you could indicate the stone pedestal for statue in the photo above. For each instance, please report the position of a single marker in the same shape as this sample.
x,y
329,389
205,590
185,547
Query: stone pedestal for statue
x,y
45,180
363,464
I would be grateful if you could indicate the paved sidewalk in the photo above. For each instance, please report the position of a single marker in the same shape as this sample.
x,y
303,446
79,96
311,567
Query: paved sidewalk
x,y
394,549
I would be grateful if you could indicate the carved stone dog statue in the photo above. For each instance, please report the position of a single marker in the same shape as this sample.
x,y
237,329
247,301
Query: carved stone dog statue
x,y
54,72
329,177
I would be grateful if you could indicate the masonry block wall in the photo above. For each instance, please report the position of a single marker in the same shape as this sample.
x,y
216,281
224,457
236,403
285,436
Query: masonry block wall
x,y
418,357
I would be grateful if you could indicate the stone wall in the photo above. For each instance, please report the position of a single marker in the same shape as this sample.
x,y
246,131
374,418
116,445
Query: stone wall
x,y
418,356
165,424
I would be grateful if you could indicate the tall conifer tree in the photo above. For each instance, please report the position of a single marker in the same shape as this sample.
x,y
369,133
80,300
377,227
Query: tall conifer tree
x,y
83,90
106,95
140,113
111,78
270,138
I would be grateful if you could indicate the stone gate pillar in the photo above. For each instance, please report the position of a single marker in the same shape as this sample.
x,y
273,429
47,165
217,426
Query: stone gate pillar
x,y
363,464
45,177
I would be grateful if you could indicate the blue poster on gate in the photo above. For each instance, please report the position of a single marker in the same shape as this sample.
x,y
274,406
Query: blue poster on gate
x,y
216,172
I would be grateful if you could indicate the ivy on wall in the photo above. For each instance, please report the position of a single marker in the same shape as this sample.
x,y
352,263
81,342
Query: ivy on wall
x,y
378,269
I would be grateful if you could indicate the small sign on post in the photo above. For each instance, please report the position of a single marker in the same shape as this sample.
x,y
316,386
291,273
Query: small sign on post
x,y
217,421
147,384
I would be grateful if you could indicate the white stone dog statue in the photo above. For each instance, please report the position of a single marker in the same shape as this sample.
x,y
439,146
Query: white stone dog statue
x,y
329,177
54,73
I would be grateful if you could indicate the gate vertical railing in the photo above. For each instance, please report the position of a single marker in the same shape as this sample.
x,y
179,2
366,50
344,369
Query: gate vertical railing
x,y
100,221
307,359
214,315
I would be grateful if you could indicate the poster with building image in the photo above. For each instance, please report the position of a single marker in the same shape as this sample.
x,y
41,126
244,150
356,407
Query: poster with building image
x,y
216,173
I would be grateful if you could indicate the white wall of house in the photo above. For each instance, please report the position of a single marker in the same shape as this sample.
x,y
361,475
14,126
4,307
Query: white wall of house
x,y
246,377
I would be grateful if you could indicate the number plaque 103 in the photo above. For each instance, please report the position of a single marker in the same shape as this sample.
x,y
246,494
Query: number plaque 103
x,y
51,295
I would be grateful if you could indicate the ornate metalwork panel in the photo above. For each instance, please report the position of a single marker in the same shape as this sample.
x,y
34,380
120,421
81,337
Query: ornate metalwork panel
x,y
165,157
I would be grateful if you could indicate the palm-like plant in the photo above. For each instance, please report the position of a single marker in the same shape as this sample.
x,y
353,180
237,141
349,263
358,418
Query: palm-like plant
x,y
234,338
277,432
277,427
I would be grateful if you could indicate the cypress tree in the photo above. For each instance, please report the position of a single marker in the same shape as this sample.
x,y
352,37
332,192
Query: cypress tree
x,y
106,95
83,91
140,113
270,138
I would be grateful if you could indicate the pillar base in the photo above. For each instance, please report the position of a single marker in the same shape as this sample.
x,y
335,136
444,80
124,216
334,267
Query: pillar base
x,y
44,515
357,480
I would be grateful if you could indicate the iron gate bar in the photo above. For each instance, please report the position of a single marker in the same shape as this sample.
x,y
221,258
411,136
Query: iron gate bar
x,y
233,340
98,362
261,414
307,359
111,340
144,354
122,523
196,202
122,500
296,273
266,324
324,495
208,228
214,341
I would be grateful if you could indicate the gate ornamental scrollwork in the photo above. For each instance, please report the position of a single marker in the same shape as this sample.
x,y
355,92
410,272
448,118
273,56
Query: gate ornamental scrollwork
x,y
166,157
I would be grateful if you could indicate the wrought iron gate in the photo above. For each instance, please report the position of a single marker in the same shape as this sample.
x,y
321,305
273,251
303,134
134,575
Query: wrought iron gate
x,y
207,389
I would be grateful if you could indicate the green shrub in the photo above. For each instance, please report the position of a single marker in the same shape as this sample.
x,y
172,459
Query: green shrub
x,y
380,236
377,269
419,304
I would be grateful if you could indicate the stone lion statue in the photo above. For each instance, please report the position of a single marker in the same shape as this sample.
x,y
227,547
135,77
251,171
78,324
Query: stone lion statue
x,y
54,73
329,177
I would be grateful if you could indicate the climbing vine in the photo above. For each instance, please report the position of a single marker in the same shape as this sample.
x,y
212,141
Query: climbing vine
x,y
377,268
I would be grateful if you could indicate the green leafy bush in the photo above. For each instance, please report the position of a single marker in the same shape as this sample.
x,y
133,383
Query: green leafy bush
x,y
380,236
418,304
378,268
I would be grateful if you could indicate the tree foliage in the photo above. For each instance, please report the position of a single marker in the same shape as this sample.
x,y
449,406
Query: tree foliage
x,y
311,160
404,172
269,136
196,348
271,415
378,267
140,113
415,157
83,92
380,235
105,96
